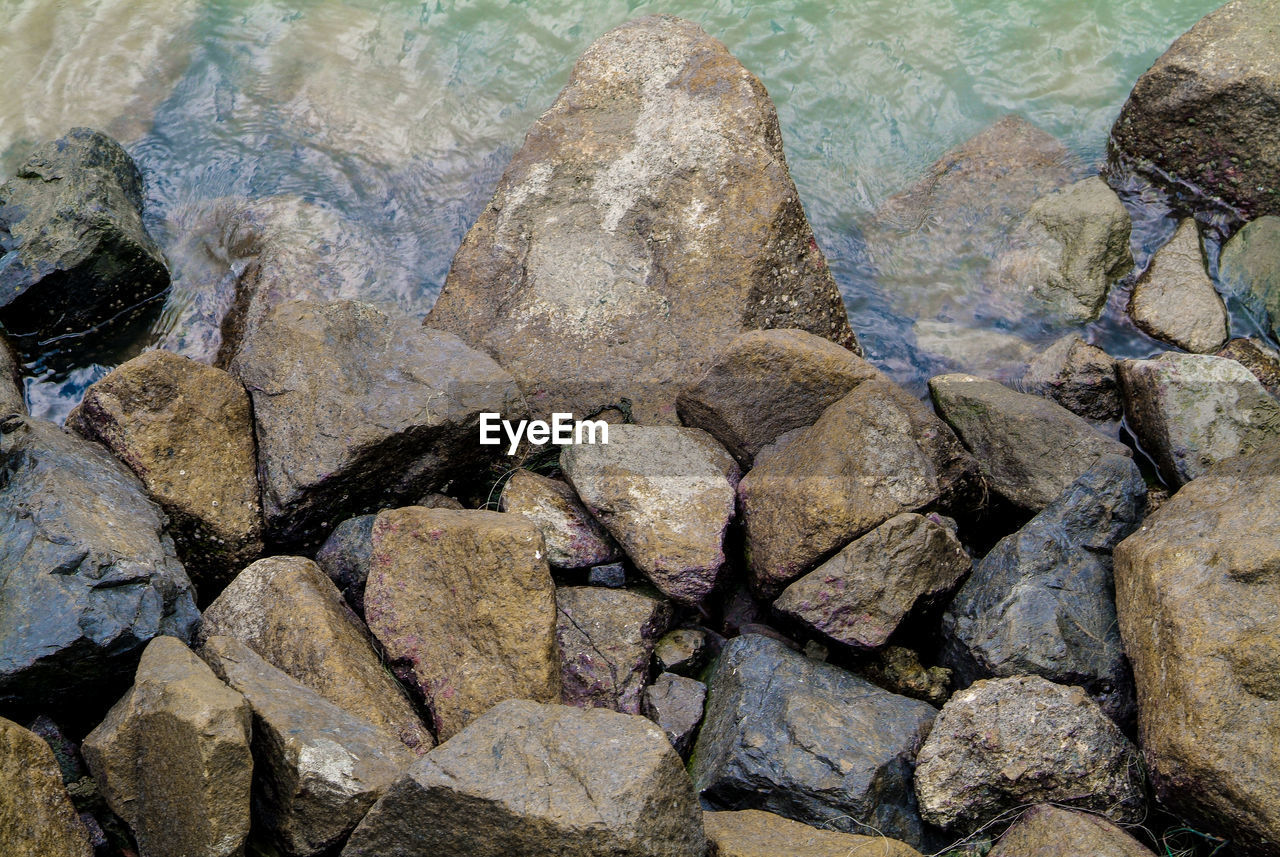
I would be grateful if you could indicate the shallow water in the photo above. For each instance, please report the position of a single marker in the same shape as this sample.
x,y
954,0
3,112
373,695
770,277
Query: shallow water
x,y
390,122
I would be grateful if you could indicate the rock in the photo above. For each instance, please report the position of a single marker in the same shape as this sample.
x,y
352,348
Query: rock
x,y
172,758
186,430
1249,268
1175,301
464,606
1049,831
531,779
752,833
683,651
989,353
766,383
76,253
648,220
809,741
1007,742
899,670
344,427
1259,358
574,538
667,495
1078,376
1190,411
345,558
89,575
1203,116
675,703
861,595
12,398
606,639
37,818
1196,596
317,769
613,575
1030,449
876,453
287,612
1041,601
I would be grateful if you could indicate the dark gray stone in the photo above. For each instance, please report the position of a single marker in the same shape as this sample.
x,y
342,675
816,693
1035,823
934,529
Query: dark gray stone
x,y
676,704
613,575
1078,376
12,400
345,558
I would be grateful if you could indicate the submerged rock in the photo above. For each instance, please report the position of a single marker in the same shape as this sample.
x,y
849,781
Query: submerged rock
x,y
676,704
37,818
574,538
1050,831
606,639
1249,268
1259,358
1175,301
753,833
1078,376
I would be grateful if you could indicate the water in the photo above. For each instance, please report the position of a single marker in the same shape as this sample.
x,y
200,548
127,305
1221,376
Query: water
x,y
379,129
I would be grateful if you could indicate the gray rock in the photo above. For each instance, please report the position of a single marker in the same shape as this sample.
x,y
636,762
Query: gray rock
x,y
37,818
809,741
574,538
606,639
613,575
1249,268
989,353
1259,358
1078,376
1175,301
1049,831
684,651
12,398
345,557
676,704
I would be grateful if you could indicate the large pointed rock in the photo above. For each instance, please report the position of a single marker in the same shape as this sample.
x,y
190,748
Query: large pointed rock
x,y
1175,301
37,818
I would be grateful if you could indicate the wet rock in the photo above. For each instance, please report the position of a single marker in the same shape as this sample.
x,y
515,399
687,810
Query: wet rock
x,y
766,383
861,595
317,769
683,651
809,741
186,430
667,495
753,833
89,575
172,758
286,611
345,426
899,669
37,818
574,538
1030,449
613,575
675,703
1050,831
1175,301
464,606
1078,376
1196,595
1259,358
1204,114
990,353
12,399
345,557
876,453
648,219
75,251
1004,743
531,779
1190,411
606,639
1249,268
1041,601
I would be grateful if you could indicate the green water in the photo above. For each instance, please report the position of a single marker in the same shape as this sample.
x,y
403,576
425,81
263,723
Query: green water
x,y
394,120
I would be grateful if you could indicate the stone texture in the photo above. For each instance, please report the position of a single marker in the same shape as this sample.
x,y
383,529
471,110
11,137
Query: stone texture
x,y
684,651
676,704
1078,376
1190,411
1175,301
37,818
12,398
89,575
1030,449
1050,831
1197,597
172,757
898,669
1249,268
861,595
574,538
531,779
809,741
291,615
345,557
989,353
357,409
464,606
186,430
1007,742
753,833
667,495
1259,358
606,639
317,769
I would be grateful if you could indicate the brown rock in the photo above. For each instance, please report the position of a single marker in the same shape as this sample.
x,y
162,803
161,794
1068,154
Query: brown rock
x,y
755,833
12,399
1078,376
1259,358
1050,831
1175,301
606,640
574,538
899,669
37,818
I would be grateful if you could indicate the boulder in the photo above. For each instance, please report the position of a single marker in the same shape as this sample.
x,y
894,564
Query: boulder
x,y
574,538
1175,301
345,558
1197,597
288,613
37,818
12,398
684,651
172,758
75,249
753,833
1004,743
1249,268
1030,449
861,595
532,780
667,495
809,741
1050,831
89,574
186,430
1259,358
676,704
1078,376
1190,411
464,607
606,639
357,409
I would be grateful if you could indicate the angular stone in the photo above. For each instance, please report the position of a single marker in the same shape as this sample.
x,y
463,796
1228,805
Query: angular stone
x,y
809,741
1050,831
1175,301
1259,358
1078,376
683,651
357,409
37,818
667,495
1030,449
286,611
898,669
574,538
186,430
1249,268
1004,743
345,558
172,758
676,704
613,575
533,780
12,398
317,769
606,639
753,833
464,606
